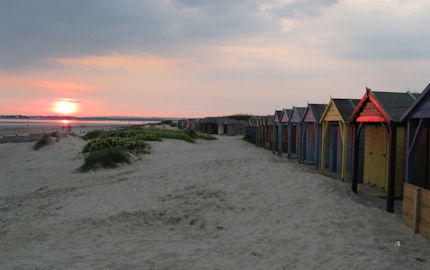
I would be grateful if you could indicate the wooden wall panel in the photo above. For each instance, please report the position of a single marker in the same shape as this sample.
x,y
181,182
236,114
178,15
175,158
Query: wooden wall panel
x,y
422,214
376,156
309,117
332,114
399,161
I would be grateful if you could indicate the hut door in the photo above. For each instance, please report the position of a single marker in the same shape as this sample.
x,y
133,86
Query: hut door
x,y
294,139
285,139
310,142
339,153
332,147
376,158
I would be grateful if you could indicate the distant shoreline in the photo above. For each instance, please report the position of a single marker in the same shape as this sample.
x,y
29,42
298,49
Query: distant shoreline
x,y
95,118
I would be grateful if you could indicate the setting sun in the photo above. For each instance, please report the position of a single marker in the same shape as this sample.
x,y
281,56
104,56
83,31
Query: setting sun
x,y
65,107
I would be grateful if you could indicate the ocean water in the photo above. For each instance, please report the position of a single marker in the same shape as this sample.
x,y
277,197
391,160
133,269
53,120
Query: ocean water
x,y
10,127
11,123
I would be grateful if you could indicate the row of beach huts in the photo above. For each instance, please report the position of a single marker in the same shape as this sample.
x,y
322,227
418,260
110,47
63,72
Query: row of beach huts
x,y
382,140
214,125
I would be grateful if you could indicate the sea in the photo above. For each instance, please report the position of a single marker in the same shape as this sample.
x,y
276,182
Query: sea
x,y
10,127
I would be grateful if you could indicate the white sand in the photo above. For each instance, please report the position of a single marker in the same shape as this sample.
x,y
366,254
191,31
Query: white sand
x,y
222,204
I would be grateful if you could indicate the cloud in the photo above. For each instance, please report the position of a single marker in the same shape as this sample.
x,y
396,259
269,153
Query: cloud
x,y
295,8
116,60
37,30
39,87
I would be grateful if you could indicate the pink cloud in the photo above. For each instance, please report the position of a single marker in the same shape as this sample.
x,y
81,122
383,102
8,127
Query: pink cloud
x,y
118,60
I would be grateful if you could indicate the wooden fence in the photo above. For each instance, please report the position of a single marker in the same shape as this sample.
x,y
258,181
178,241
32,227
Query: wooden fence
x,y
416,209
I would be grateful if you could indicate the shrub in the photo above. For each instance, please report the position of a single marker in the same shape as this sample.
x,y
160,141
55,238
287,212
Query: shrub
x,y
134,143
45,140
105,158
166,122
191,133
55,134
92,134
143,134
174,134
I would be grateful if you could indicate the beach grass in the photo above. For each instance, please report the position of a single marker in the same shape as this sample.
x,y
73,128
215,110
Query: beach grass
x,y
92,134
45,140
104,148
105,158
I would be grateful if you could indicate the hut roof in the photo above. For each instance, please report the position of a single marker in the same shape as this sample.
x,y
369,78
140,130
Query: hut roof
x,y
416,103
297,114
317,110
395,104
277,116
270,119
345,106
391,104
287,113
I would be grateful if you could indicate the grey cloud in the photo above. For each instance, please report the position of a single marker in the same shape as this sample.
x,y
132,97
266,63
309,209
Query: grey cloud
x,y
383,36
36,30
302,7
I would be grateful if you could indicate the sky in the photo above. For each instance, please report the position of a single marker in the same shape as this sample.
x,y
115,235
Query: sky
x,y
197,58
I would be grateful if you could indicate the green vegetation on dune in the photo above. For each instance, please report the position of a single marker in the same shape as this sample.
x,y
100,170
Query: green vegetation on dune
x,y
105,158
128,143
92,134
134,140
46,140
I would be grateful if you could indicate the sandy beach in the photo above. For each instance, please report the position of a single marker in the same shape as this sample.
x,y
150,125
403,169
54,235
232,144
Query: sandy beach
x,y
223,204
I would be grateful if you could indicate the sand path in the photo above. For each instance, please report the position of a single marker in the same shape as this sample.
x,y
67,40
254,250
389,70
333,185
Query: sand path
x,y
222,204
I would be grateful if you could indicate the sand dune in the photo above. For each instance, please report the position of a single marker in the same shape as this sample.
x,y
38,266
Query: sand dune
x,y
222,204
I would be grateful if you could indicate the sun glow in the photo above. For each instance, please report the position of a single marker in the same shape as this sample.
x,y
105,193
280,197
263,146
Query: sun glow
x,y
65,107
65,121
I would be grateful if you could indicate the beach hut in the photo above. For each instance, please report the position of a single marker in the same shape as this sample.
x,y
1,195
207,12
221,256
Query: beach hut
x,y
283,136
250,130
294,131
380,113
416,195
269,132
277,131
259,128
264,129
232,127
311,134
336,144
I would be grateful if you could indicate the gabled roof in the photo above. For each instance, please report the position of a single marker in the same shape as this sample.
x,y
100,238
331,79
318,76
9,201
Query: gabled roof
x,y
346,106
269,120
287,113
263,120
317,111
416,103
277,116
299,112
391,104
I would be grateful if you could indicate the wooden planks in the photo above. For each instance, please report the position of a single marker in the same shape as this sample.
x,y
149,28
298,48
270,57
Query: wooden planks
x,y
416,209
376,156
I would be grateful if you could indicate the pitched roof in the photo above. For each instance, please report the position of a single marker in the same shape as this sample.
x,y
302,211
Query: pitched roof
x,y
288,112
300,111
345,106
393,103
317,110
277,115
416,103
